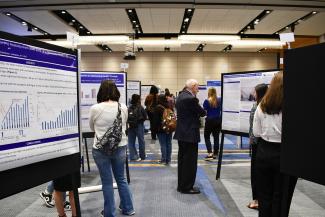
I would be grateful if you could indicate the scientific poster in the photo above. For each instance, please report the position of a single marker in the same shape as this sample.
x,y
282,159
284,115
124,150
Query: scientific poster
x,y
90,83
38,104
238,98
133,87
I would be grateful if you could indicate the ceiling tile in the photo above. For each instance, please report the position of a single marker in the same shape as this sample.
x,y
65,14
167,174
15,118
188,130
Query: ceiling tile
x,y
313,26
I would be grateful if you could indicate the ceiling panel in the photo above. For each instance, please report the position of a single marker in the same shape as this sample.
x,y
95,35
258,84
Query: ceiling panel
x,y
9,25
46,21
221,21
118,47
313,26
160,20
276,21
101,21
89,48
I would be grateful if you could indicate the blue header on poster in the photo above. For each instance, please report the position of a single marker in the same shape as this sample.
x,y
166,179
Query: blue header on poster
x,y
30,55
202,87
243,75
213,83
118,78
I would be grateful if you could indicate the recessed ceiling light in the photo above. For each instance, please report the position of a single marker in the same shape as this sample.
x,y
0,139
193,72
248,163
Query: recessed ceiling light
x,y
287,27
73,21
136,25
268,11
186,19
45,33
314,12
130,11
88,32
134,21
242,32
62,12
8,14
81,27
189,10
35,28
276,33
24,23
183,31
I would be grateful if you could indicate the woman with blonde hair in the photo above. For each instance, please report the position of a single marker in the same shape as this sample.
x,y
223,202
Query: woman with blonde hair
x,y
212,105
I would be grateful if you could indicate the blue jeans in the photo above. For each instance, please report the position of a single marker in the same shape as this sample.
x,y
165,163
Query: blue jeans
x,y
165,141
106,164
134,133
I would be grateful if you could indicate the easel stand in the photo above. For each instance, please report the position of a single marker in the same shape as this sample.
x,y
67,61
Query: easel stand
x,y
86,136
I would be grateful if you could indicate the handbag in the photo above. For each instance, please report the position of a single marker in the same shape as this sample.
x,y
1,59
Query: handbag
x,y
112,137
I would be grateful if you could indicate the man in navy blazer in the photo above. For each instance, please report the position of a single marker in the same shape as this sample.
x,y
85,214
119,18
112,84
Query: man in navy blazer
x,y
188,135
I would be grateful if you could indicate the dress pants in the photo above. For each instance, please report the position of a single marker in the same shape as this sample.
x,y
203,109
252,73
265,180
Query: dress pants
x,y
187,165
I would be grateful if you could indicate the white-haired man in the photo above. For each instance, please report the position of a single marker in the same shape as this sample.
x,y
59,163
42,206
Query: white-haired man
x,y
188,135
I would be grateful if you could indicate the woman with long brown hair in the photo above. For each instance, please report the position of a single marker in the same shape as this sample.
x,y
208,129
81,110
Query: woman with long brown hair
x,y
212,105
267,127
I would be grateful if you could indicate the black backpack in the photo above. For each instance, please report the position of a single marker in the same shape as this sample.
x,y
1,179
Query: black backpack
x,y
133,116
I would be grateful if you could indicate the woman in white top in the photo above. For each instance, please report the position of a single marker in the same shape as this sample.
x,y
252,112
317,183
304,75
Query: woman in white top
x,y
102,116
267,127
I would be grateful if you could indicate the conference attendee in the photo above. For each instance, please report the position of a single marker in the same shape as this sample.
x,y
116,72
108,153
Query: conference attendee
x,y
267,127
165,138
48,198
150,103
259,92
188,135
212,106
102,116
170,99
136,117
62,185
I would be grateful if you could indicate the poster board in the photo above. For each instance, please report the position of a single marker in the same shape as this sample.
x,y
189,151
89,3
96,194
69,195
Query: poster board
x,y
216,84
145,90
39,131
133,87
238,99
202,94
302,149
89,86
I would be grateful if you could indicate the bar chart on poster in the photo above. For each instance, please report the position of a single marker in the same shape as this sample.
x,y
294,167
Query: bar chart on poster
x,y
38,104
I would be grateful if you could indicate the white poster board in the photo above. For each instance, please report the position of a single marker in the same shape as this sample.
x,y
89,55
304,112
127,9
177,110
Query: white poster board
x,y
133,87
238,99
216,84
90,83
202,94
145,90
38,104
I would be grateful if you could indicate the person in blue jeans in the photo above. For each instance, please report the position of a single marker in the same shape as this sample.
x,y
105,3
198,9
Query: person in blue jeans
x,y
102,116
136,129
165,139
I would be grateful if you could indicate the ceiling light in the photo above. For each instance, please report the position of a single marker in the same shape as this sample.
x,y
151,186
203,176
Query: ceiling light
x,y
62,12
186,19
130,11
314,12
277,33
287,27
88,32
35,28
256,43
45,33
134,21
208,38
268,11
73,21
183,31
241,32
81,27
8,14
189,10
24,23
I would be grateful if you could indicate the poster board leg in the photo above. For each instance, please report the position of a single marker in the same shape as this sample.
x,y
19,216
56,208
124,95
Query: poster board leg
x,y
220,156
76,196
127,167
87,155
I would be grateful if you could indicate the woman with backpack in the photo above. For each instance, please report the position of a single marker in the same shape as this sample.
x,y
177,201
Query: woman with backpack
x,y
212,105
136,116
164,137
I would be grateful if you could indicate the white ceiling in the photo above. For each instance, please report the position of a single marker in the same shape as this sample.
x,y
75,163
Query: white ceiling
x,y
208,18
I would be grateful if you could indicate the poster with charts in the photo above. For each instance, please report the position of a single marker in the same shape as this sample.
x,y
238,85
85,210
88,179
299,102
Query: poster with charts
x,y
238,98
90,83
38,104
202,94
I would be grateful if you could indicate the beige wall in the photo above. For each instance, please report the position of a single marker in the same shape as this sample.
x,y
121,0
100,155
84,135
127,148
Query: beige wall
x,y
172,69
